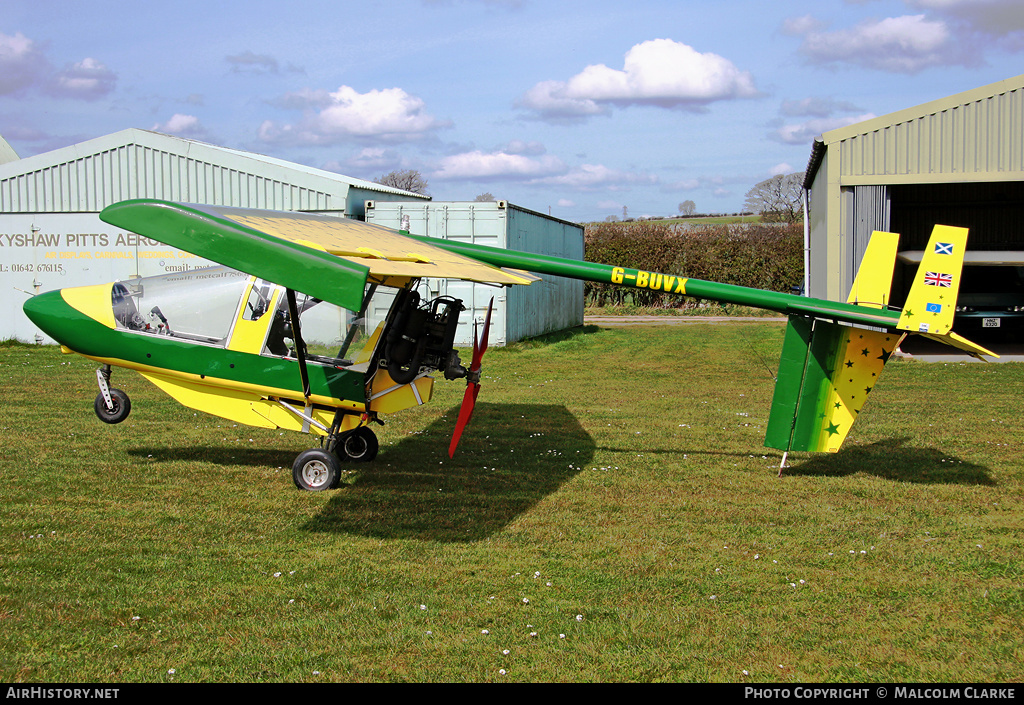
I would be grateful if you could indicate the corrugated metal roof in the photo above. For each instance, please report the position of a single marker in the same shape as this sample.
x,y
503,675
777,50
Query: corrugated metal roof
x,y
974,135
89,176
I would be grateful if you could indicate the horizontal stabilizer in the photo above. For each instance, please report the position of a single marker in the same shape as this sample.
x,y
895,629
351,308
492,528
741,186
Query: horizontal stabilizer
x,y
962,343
825,374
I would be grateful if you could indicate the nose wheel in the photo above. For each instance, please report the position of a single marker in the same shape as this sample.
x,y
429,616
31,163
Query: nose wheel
x,y
111,405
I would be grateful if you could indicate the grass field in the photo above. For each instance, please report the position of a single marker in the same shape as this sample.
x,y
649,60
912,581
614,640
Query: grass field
x,y
611,515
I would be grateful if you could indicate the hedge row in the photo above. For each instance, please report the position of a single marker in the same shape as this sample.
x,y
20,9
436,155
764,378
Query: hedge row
x,y
759,256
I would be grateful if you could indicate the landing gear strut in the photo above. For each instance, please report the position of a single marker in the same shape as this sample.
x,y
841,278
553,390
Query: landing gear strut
x,y
111,405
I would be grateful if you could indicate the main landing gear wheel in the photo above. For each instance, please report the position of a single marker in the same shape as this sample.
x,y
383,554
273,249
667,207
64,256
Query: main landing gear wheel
x,y
315,470
360,446
122,406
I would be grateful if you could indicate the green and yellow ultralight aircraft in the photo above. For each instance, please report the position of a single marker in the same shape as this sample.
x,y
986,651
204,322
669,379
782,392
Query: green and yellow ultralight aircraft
x,y
236,341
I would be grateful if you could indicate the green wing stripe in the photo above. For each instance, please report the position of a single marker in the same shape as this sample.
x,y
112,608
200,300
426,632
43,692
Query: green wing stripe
x,y
203,233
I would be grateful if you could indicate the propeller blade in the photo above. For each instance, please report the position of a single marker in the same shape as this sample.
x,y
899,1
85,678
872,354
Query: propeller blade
x,y
481,348
472,387
465,414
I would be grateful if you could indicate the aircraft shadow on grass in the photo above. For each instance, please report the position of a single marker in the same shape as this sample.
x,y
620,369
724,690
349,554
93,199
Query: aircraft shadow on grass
x,y
511,457
893,459
889,459
226,456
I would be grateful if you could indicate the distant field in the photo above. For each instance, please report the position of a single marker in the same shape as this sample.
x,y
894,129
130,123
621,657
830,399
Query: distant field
x,y
611,515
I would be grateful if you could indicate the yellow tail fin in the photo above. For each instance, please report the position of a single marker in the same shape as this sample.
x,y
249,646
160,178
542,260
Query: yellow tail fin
x,y
874,278
932,300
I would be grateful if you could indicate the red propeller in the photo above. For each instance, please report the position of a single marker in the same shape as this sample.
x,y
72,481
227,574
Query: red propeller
x,y
472,381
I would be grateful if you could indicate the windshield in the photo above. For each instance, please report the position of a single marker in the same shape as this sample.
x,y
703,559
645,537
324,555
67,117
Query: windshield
x,y
198,305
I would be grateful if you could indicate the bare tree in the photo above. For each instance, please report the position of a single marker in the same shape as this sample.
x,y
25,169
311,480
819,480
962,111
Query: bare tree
x,y
778,199
405,179
687,208
486,196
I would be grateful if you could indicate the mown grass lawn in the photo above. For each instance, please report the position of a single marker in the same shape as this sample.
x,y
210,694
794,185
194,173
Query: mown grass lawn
x,y
611,515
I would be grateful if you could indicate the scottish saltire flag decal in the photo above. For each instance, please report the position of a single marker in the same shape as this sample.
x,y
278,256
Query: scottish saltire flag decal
x,y
931,303
938,279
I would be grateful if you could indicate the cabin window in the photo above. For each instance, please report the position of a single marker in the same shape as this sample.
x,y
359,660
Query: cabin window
x,y
323,326
259,299
199,305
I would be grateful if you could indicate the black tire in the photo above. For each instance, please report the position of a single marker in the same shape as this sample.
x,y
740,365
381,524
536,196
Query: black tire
x,y
315,470
360,446
122,407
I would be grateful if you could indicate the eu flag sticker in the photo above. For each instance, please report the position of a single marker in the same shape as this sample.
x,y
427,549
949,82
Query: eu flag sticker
x,y
933,308
943,248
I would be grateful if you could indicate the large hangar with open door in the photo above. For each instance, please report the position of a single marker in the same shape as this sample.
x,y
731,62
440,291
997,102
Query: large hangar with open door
x,y
957,161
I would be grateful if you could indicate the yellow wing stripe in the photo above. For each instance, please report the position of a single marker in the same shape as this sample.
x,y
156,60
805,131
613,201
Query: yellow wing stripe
x,y
386,252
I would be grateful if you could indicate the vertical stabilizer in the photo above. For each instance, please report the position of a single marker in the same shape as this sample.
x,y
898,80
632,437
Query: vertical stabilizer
x,y
932,300
874,278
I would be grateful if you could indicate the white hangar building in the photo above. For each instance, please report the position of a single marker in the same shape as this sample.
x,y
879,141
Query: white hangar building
x,y
51,236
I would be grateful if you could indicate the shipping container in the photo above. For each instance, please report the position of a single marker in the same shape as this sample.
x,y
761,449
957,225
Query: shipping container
x,y
549,305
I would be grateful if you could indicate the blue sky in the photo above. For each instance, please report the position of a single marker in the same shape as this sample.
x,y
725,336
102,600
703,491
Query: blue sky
x,y
577,108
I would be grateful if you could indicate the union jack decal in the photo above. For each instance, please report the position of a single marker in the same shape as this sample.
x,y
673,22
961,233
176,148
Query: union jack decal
x,y
938,279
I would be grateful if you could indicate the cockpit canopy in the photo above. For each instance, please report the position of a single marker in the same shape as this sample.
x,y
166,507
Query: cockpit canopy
x,y
227,308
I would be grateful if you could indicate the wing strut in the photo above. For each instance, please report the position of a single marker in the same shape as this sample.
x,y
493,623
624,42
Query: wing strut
x,y
300,346
353,329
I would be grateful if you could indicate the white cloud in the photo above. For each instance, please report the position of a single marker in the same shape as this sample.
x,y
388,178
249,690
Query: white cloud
x,y
496,165
389,115
375,159
86,80
906,44
550,101
520,147
996,17
589,177
183,126
816,107
805,132
981,23
250,62
22,64
24,67
661,72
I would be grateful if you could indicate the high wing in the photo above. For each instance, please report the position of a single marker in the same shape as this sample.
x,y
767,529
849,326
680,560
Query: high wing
x,y
329,258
